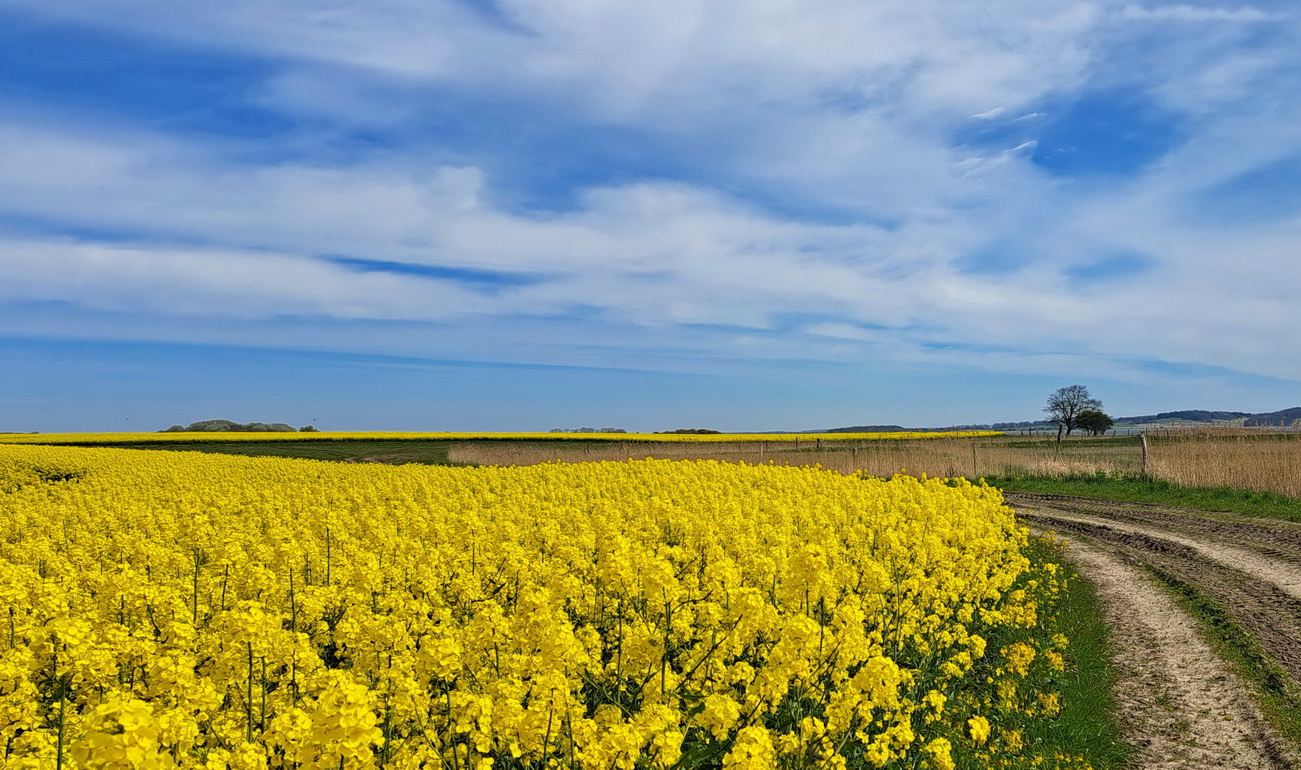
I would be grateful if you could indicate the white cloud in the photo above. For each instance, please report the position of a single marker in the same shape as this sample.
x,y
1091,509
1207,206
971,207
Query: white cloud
x,y
628,62
1193,13
653,257
844,105
218,284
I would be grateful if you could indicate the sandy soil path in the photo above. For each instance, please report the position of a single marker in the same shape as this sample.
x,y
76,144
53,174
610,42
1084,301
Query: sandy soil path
x,y
1252,567
1179,703
1271,537
1285,575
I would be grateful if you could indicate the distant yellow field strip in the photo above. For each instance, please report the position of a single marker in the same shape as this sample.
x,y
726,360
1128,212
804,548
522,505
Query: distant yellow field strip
x,y
126,438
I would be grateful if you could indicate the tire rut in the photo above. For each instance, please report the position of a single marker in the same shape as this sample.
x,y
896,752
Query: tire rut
x,y
1180,705
1282,574
1277,539
1267,613
1251,567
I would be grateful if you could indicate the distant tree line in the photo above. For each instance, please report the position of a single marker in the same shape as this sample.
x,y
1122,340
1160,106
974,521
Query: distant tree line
x,y
229,426
1282,417
691,431
588,430
1192,415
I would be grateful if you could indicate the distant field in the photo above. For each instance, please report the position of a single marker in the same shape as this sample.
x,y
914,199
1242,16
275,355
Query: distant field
x,y
423,452
1229,458
971,455
475,448
104,439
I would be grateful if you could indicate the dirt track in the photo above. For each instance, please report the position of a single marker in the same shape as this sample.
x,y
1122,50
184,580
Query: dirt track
x,y
1250,566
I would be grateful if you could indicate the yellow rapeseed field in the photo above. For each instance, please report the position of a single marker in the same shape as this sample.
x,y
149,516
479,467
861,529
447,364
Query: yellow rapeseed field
x,y
163,609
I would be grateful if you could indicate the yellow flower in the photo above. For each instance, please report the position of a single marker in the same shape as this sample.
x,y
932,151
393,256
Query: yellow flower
x,y
939,754
1019,656
720,712
753,750
121,734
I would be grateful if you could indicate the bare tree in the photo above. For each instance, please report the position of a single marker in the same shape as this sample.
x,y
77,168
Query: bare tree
x,y
1066,404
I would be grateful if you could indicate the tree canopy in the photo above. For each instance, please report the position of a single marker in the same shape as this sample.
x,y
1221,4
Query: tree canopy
x,y
1065,405
1095,421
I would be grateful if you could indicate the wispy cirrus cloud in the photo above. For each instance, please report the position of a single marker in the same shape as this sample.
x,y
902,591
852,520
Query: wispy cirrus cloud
x,y
1198,13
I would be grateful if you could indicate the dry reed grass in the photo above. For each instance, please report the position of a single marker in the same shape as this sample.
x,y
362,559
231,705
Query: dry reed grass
x,y
1239,458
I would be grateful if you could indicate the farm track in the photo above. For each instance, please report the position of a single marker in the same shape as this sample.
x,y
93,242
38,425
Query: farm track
x,y
1180,706
1277,539
1280,573
1252,567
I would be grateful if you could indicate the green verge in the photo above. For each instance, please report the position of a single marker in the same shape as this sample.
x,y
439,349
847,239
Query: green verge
x,y
1087,725
1137,489
1278,696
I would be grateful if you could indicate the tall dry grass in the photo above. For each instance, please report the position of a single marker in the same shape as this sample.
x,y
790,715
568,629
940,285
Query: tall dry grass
x,y
1230,457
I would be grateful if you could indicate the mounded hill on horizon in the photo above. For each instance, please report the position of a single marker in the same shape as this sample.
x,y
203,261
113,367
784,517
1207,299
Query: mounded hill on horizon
x,y
1191,415
230,426
1281,417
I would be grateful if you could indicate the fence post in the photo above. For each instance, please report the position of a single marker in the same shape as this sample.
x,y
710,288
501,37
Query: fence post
x,y
1143,438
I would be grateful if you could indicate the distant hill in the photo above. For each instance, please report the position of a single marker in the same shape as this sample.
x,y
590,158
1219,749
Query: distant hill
x,y
1284,417
1281,417
1190,415
229,426
1287,417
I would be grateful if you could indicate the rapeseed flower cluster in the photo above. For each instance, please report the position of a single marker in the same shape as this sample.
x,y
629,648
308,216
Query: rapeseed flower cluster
x,y
182,610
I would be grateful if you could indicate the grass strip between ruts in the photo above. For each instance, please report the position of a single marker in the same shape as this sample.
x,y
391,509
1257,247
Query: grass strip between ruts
x,y
1278,696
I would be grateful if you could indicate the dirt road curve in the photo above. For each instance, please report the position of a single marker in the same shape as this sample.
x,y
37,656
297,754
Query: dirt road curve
x,y
1181,704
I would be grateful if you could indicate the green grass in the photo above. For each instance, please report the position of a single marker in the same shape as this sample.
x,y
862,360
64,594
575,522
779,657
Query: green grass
x,y
1279,698
425,452
1087,725
1135,489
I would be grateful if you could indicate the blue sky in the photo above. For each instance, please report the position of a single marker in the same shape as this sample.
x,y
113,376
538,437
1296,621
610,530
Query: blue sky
x,y
745,215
